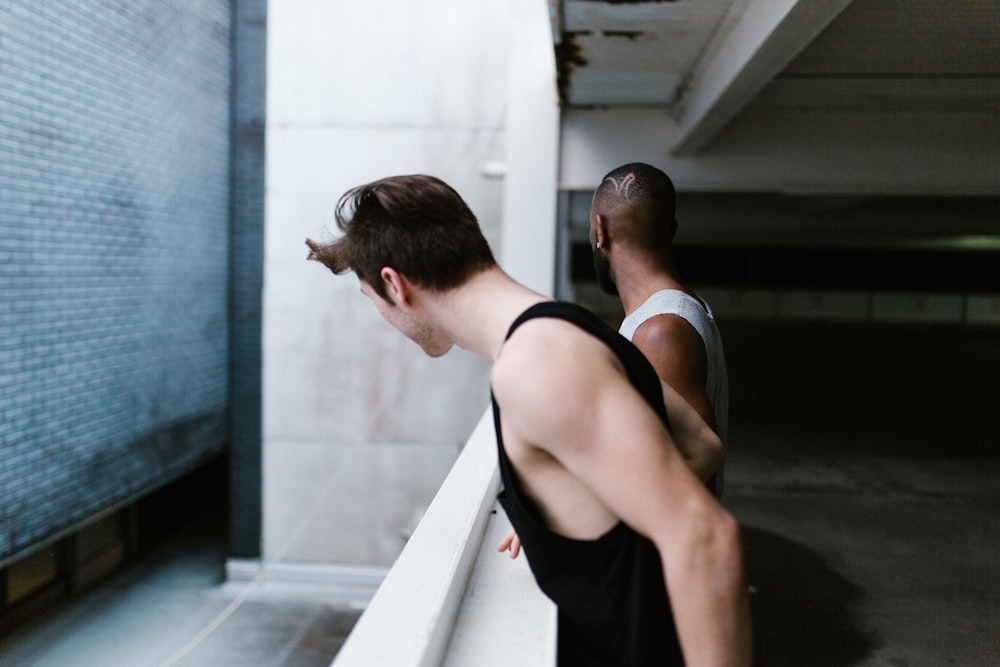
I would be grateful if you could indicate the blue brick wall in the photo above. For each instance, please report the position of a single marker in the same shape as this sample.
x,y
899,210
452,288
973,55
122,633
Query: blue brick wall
x,y
114,235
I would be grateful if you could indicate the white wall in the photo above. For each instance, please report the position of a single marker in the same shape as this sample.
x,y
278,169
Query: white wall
x,y
359,426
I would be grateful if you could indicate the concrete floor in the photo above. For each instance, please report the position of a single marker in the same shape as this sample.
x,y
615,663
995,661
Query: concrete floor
x,y
172,608
863,467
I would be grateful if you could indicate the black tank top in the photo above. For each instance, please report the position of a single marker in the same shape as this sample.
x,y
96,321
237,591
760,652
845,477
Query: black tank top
x,y
612,603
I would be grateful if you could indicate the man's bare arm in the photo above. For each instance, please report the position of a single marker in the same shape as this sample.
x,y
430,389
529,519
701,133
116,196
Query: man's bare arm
x,y
677,354
698,443
606,436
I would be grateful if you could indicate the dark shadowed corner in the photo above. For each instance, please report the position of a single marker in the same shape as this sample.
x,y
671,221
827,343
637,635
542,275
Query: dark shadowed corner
x,y
802,607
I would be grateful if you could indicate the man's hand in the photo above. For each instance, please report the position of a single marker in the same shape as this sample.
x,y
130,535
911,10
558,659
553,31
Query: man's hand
x,y
511,543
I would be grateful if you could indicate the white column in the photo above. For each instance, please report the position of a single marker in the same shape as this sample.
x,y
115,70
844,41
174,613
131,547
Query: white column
x,y
528,240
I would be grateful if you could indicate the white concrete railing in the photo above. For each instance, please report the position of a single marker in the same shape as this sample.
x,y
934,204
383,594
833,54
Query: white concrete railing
x,y
450,599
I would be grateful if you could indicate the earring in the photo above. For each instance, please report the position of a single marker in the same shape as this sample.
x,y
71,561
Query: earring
x,y
598,244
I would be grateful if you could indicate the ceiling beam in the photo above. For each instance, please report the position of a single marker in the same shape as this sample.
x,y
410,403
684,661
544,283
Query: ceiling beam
x,y
754,43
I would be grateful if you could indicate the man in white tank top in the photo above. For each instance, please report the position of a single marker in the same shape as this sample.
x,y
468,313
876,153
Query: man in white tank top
x,y
632,227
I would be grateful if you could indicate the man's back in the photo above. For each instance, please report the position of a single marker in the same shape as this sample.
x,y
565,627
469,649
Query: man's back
x,y
613,606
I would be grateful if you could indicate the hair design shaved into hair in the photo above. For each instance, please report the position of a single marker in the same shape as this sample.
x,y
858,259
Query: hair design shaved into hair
x,y
642,196
418,225
621,185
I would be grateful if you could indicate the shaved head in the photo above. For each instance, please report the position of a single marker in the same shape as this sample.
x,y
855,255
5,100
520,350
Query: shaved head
x,y
638,200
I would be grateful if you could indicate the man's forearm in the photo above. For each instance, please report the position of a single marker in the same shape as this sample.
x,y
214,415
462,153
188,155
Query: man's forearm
x,y
695,439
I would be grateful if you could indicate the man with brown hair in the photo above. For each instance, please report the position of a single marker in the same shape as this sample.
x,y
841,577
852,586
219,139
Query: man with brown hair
x,y
643,564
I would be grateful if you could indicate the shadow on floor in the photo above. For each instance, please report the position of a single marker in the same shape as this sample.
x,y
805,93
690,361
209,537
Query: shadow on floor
x,y
802,607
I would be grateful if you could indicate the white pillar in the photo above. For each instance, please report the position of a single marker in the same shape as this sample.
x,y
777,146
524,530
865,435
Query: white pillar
x,y
528,239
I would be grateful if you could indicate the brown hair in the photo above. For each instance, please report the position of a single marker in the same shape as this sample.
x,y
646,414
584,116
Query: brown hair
x,y
415,224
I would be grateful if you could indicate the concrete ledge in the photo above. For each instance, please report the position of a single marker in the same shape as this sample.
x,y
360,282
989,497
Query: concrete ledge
x,y
504,619
410,619
450,598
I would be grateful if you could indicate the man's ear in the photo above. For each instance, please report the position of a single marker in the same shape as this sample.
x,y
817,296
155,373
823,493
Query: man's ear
x,y
601,231
397,287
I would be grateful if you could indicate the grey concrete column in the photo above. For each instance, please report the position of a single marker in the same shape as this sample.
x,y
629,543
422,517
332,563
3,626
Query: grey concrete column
x,y
246,273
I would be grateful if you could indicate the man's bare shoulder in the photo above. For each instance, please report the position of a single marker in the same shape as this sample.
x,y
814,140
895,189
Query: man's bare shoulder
x,y
548,368
666,328
664,338
541,347
677,353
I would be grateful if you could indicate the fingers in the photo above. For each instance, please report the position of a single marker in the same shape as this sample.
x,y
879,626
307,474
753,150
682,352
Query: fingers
x,y
515,546
510,543
506,543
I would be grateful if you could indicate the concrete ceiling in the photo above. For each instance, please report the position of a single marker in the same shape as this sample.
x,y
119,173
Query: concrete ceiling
x,y
706,61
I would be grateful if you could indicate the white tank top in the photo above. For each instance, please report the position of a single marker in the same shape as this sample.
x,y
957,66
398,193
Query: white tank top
x,y
698,315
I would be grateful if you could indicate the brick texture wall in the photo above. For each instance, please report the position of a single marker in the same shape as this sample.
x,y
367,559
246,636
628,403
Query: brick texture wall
x,y
114,234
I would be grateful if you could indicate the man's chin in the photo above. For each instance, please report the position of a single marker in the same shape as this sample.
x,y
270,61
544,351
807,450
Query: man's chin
x,y
435,352
602,271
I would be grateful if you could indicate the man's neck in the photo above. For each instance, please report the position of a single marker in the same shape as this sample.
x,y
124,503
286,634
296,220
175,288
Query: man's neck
x,y
479,313
638,280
